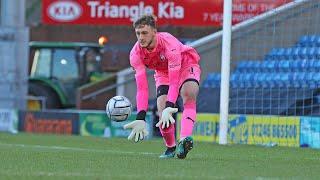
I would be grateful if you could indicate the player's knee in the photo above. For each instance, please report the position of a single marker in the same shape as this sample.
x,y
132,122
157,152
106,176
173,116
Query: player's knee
x,y
189,96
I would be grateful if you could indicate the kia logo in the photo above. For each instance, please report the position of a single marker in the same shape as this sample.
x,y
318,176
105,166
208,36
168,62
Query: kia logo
x,y
64,11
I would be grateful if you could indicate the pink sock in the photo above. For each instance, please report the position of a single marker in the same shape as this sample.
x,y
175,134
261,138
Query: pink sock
x,y
168,135
188,119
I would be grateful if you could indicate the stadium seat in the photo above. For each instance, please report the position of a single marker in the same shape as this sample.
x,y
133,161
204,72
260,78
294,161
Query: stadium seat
x,y
317,51
277,80
303,65
262,82
316,65
312,40
303,41
317,43
311,52
241,66
287,53
264,66
284,65
316,79
212,80
234,80
303,52
284,79
280,53
272,66
296,53
249,66
308,41
272,54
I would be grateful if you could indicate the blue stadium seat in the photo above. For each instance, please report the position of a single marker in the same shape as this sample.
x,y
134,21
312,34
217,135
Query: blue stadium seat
x,y
296,53
241,66
272,66
310,80
317,41
209,80
300,65
271,55
303,52
262,82
288,53
311,52
284,65
257,66
249,80
284,79
213,80
249,66
312,40
317,51
234,80
264,66
316,64
277,81
293,77
255,80
280,54
303,65
206,83
309,41
311,65
316,78
270,82
303,41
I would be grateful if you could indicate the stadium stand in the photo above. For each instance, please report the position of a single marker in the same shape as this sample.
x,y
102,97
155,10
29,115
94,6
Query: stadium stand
x,y
286,82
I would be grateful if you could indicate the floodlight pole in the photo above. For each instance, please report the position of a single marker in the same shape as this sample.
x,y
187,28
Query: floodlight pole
x,y
225,71
14,53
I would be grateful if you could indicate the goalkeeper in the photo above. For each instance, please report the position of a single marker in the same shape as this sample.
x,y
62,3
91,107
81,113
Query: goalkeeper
x,y
177,71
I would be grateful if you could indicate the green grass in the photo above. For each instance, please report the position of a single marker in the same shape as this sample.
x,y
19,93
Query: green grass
x,y
31,156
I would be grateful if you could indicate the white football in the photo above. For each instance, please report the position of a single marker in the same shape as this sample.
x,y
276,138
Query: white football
x,y
118,108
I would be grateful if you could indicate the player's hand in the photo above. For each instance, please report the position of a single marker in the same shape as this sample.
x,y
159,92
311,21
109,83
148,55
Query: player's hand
x,y
166,117
139,130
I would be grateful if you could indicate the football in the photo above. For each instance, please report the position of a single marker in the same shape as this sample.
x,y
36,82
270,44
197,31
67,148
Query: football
x,y
118,108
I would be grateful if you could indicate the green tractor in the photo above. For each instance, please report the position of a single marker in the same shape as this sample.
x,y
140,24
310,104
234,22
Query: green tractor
x,y
58,69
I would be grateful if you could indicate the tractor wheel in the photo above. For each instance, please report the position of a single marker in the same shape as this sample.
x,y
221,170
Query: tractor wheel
x,y
41,92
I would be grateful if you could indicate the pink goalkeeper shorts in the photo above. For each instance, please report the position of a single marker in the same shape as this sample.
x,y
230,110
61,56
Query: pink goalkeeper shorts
x,y
191,72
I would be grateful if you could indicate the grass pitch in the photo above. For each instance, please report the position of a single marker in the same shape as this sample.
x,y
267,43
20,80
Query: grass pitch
x,y
31,156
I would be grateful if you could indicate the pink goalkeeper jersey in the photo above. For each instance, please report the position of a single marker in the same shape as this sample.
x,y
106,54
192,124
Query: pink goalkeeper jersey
x,y
168,56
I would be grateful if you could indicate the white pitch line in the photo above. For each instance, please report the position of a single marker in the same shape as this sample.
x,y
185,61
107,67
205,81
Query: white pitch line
x,y
87,150
76,149
106,151
108,175
67,174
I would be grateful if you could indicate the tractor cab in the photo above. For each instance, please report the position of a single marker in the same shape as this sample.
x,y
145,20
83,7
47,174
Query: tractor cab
x,y
58,69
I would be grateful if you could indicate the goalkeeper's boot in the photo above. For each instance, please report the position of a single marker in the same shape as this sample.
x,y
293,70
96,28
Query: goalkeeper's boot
x,y
169,153
184,146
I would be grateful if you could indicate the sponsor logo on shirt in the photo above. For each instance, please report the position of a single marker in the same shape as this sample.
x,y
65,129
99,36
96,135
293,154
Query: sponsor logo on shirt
x,y
172,66
162,57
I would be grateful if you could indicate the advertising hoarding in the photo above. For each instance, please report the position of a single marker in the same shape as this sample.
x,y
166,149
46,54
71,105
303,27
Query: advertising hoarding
x,y
174,12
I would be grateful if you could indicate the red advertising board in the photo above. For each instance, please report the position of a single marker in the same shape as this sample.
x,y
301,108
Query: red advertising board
x,y
49,122
174,12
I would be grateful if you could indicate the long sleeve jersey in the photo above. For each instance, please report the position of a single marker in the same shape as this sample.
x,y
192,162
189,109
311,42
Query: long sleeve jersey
x,y
168,56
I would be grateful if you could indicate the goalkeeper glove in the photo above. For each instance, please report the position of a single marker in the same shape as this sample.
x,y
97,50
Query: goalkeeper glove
x,y
139,130
166,117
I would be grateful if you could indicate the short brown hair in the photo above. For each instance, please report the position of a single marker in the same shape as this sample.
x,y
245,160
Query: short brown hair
x,y
149,20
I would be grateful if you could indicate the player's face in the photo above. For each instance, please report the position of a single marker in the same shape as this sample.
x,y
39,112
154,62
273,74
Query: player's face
x,y
146,36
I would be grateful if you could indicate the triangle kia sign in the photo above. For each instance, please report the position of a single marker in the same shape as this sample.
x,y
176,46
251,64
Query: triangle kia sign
x,y
174,12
